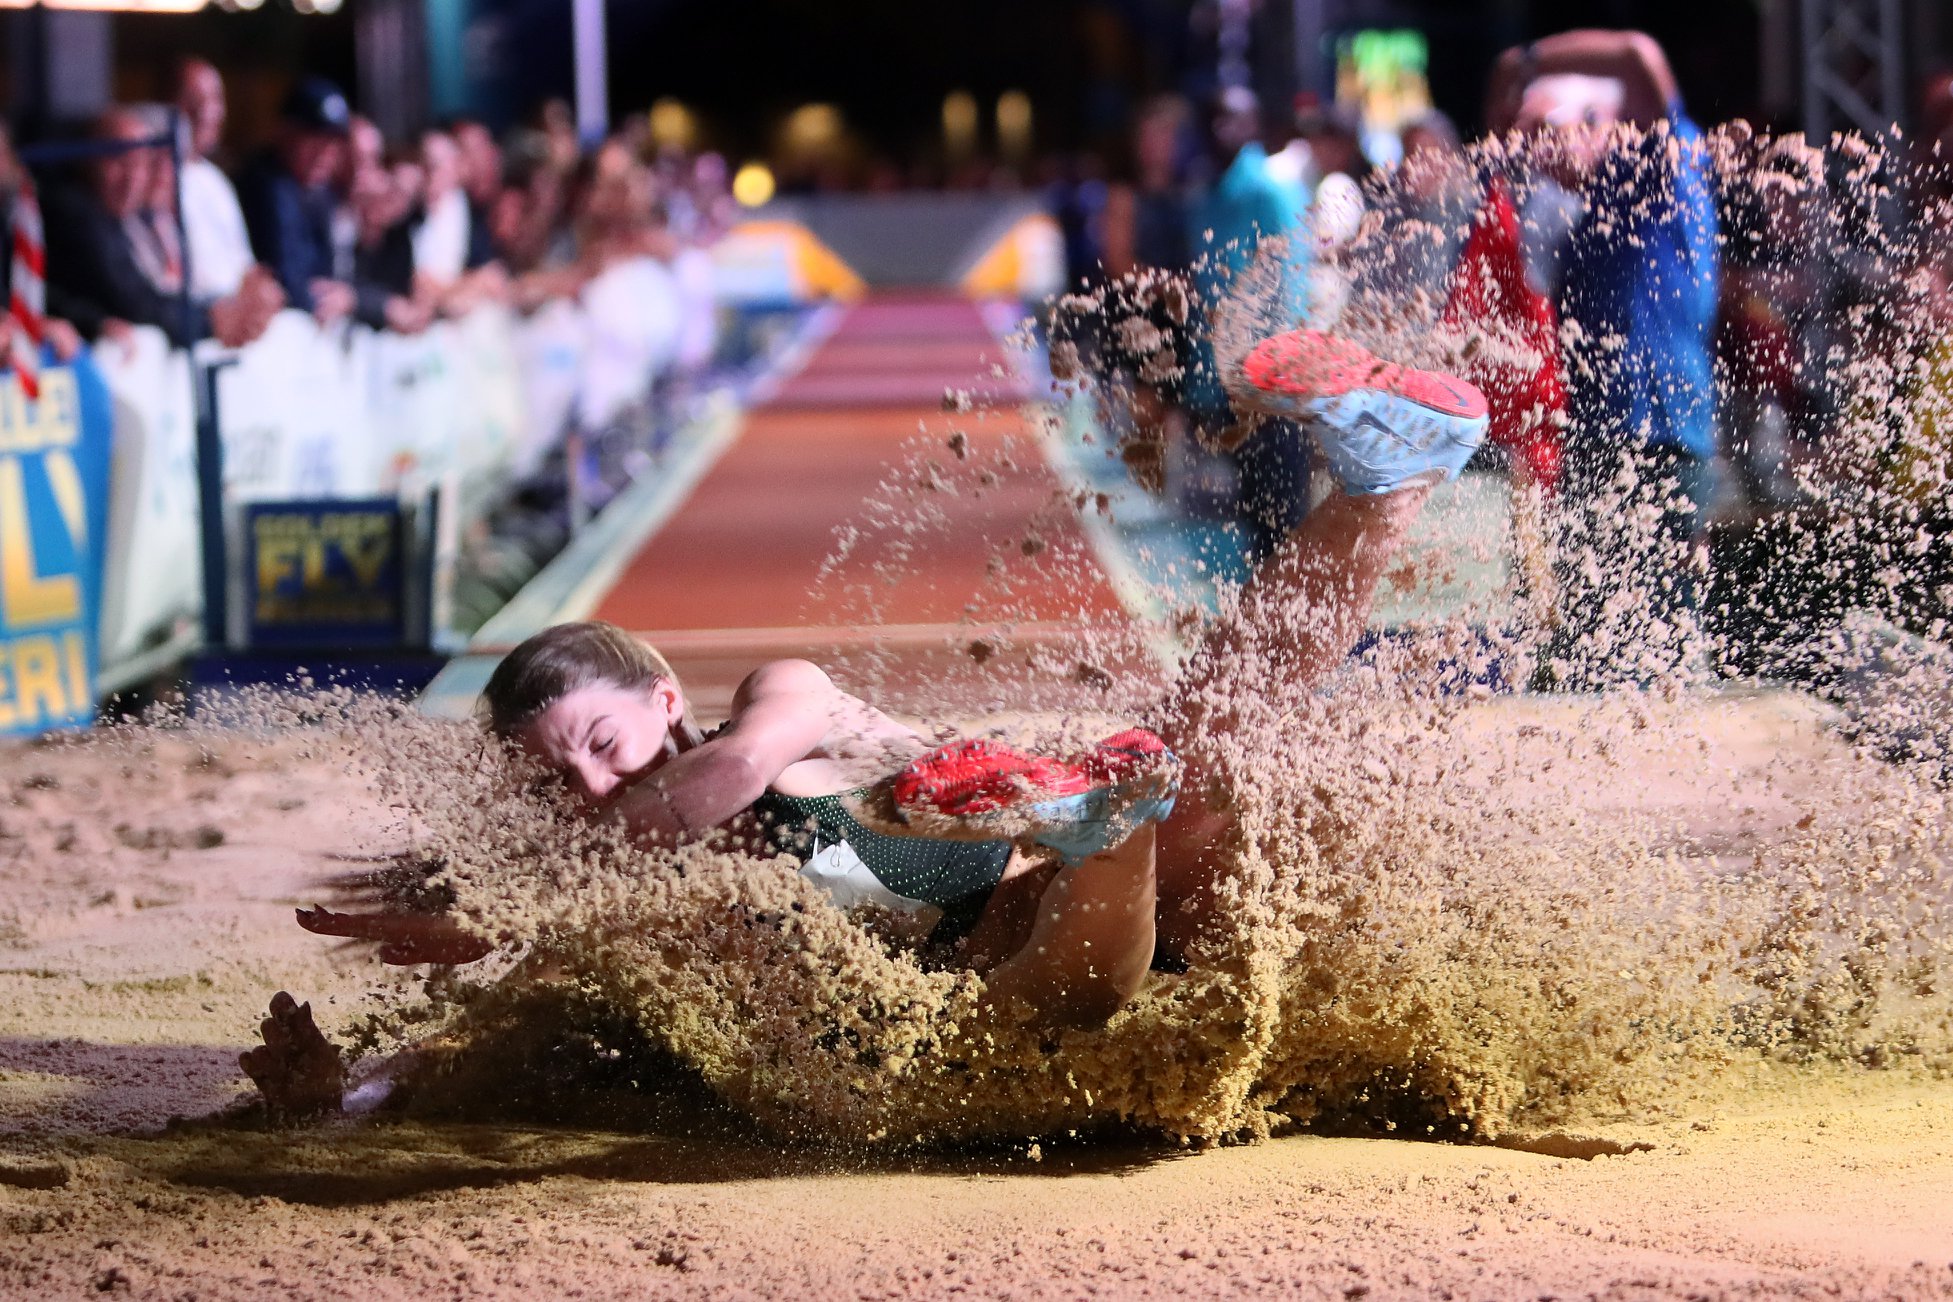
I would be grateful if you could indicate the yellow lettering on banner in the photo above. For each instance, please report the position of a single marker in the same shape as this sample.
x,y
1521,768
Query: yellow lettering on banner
x,y
26,599
53,422
9,716
37,679
64,478
301,548
34,693
280,559
368,553
79,688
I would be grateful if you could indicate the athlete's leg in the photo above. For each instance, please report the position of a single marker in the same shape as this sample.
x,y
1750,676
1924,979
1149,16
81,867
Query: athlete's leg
x,y
1092,942
1314,593
1388,434
1007,918
1316,588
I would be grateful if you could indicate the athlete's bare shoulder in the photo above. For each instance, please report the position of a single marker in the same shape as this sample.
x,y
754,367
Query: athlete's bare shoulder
x,y
780,678
857,743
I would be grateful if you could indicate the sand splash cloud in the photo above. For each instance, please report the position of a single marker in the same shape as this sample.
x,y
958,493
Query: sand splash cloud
x,y
1448,911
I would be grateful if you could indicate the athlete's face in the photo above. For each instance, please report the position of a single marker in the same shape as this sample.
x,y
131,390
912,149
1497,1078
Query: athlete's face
x,y
602,738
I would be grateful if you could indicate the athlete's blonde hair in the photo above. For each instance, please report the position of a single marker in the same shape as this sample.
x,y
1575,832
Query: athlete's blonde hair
x,y
566,658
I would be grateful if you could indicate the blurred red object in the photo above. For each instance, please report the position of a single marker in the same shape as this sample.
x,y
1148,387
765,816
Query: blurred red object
x,y
1490,295
26,308
978,777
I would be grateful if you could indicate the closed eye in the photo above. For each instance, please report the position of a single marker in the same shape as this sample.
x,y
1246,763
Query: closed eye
x,y
598,748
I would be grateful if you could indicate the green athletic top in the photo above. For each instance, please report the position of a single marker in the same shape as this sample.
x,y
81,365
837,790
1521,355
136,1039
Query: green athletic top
x,y
858,864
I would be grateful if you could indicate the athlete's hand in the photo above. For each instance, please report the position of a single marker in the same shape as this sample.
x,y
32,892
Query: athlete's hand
x,y
408,884
404,938
299,1072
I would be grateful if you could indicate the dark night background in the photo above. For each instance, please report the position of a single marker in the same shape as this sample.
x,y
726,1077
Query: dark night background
x,y
743,64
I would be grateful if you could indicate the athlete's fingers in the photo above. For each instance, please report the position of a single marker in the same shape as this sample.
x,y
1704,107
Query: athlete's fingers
x,y
257,1064
324,922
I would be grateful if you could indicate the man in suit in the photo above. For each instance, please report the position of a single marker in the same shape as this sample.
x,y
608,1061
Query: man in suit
x,y
95,278
289,200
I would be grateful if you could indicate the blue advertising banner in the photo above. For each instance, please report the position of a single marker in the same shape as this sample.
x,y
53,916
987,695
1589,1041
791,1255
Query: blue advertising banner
x,y
54,467
326,573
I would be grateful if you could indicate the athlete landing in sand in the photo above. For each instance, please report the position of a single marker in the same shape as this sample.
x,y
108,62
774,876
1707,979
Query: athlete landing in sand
x,y
1101,867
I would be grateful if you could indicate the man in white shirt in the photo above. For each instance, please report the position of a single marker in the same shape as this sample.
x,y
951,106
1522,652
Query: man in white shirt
x,y
220,247
441,240
445,264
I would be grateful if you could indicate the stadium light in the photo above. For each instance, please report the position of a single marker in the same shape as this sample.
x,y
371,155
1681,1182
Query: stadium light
x,y
1014,123
672,124
111,6
752,185
959,123
812,130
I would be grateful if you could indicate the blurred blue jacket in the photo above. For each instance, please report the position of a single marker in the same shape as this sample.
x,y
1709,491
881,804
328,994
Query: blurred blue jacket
x,y
290,226
1643,274
1246,204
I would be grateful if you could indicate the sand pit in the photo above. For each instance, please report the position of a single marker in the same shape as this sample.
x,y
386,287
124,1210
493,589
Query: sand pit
x,y
146,920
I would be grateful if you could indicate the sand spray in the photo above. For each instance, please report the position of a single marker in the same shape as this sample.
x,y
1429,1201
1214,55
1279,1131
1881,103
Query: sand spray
x,y
1446,910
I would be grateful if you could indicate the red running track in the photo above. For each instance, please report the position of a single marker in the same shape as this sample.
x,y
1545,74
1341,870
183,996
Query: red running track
x,y
730,580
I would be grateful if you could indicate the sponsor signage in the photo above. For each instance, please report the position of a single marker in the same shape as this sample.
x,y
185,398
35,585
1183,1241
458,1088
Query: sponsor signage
x,y
326,573
53,485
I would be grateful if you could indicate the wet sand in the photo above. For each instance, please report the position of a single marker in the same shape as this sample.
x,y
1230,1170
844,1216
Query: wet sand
x,y
145,901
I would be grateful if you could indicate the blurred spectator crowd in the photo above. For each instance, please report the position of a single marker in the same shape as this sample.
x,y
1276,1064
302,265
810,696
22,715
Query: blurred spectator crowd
x,y
333,219
1733,283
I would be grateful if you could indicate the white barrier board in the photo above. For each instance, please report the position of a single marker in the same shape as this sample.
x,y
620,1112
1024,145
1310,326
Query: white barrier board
x,y
343,411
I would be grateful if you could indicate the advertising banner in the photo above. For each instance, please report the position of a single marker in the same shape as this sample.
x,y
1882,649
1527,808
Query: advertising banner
x,y
635,321
488,390
329,573
777,264
550,347
54,456
412,415
292,407
152,571
1027,261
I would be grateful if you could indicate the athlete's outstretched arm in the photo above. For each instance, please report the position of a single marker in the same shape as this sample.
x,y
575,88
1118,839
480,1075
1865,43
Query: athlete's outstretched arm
x,y
781,714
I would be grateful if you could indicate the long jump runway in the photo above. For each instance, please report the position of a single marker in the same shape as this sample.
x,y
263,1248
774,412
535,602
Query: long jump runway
x,y
729,580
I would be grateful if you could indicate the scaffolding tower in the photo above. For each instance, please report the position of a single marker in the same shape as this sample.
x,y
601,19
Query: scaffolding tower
x,y
1854,67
